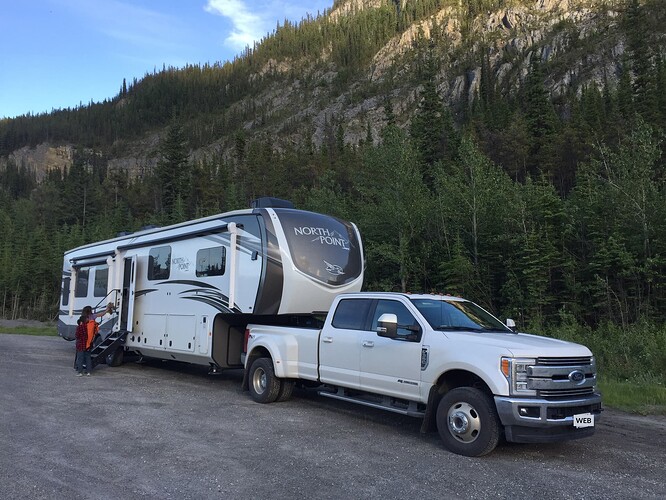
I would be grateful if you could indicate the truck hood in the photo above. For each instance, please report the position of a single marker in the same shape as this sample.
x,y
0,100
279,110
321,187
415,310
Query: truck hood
x,y
522,344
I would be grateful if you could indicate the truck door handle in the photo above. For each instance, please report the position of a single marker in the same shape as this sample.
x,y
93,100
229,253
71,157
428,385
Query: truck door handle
x,y
368,343
327,340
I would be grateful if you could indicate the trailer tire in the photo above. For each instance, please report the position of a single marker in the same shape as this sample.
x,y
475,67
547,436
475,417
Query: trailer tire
x,y
467,422
115,358
263,384
285,390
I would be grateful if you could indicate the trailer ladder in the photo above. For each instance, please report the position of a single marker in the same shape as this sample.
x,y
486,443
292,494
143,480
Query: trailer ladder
x,y
106,349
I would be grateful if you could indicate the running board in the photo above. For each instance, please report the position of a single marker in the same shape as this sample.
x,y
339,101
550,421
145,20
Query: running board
x,y
409,408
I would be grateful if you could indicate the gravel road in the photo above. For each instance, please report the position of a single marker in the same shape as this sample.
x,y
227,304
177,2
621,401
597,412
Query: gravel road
x,y
168,430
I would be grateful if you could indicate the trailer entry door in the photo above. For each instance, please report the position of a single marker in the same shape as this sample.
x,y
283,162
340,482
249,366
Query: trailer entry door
x,y
127,301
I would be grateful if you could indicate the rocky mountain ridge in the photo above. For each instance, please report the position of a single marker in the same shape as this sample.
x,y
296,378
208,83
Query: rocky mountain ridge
x,y
579,40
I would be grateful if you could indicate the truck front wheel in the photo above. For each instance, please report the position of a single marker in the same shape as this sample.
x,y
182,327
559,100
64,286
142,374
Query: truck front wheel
x,y
264,385
467,422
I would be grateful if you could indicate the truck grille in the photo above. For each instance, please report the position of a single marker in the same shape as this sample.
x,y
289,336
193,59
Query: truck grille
x,y
562,377
586,360
560,393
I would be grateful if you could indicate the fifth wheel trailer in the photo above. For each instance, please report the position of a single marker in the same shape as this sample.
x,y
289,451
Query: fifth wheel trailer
x,y
185,292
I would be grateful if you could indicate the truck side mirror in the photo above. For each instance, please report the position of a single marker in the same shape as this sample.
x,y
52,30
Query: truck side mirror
x,y
387,325
511,324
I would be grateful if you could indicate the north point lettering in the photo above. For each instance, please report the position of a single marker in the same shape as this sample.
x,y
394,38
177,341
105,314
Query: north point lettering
x,y
323,236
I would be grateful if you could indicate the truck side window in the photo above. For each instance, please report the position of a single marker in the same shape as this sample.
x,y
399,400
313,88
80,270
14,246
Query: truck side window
x,y
351,314
405,319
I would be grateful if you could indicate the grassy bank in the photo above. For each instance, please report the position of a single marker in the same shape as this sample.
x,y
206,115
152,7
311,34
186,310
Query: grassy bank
x,y
645,398
45,331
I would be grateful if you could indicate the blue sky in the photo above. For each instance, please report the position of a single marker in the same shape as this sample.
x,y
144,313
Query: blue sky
x,y
61,53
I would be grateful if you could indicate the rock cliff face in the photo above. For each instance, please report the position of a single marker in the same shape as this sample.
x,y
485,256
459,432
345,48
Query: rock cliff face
x,y
43,158
579,39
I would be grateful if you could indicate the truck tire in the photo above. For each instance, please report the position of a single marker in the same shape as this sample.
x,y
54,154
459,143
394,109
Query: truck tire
x,y
467,422
264,385
115,358
285,390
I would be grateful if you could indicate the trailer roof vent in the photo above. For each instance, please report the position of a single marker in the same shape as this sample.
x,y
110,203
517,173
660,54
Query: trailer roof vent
x,y
269,202
123,233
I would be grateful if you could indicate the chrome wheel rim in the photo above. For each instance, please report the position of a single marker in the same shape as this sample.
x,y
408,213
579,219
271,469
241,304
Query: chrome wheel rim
x,y
259,381
464,422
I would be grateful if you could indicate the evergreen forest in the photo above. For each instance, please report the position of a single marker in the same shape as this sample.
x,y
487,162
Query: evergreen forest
x,y
550,211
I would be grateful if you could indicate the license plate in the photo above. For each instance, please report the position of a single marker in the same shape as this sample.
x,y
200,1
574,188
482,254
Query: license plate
x,y
583,420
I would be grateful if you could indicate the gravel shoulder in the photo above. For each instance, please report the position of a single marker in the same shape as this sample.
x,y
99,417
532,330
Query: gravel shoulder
x,y
169,430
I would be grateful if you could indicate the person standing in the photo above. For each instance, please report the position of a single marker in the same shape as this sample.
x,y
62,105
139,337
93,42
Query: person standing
x,y
86,330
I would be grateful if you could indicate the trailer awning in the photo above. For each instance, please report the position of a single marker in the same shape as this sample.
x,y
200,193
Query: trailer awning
x,y
152,239
89,260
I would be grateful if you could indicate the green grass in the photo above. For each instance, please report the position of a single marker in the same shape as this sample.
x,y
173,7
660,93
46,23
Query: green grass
x,y
645,397
45,331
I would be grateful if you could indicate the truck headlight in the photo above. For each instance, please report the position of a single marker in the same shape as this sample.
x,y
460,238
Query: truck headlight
x,y
516,372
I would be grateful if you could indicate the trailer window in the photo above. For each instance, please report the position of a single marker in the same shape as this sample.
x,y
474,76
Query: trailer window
x,y
351,314
211,261
159,263
101,281
65,290
81,289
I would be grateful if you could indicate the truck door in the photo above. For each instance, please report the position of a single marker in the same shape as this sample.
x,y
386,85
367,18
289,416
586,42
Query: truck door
x,y
340,344
126,313
392,366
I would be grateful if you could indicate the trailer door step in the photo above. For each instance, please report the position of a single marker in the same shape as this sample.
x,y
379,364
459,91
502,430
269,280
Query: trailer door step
x,y
108,346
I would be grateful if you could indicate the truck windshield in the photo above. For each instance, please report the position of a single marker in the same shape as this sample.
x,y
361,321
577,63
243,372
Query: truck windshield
x,y
458,315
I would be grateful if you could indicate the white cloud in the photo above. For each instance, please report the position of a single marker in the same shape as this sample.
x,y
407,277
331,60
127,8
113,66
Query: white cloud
x,y
254,19
247,26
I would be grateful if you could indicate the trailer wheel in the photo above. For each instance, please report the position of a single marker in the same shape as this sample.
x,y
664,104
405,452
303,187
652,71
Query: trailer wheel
x,y
467,422
264,385
285,390
115,358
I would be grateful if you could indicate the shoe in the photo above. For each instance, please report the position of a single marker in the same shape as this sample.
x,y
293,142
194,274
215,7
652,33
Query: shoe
x,y
79,374
87,374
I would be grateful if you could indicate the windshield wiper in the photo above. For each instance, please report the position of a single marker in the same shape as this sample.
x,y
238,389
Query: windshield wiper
x,y
460,328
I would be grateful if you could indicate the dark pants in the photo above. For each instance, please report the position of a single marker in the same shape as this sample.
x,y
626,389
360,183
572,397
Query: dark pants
x,y
83,358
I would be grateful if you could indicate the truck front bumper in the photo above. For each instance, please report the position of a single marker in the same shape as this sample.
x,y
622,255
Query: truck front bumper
x,y
528,420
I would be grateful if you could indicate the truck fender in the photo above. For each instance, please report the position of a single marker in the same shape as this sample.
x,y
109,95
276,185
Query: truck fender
x,y
462,375
268,347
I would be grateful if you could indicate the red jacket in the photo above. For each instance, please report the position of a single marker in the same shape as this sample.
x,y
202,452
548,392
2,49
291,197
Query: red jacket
x,y
81,337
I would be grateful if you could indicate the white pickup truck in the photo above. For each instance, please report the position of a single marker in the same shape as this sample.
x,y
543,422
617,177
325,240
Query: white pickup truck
x,y
440,358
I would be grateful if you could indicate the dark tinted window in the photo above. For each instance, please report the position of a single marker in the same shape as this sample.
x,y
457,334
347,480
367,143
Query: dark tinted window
x,y
351,314
65,290
101,281
81,289
159,263
322,247
211,261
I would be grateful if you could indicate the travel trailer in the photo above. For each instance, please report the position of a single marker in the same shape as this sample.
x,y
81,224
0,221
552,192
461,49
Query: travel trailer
x,y
185,292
